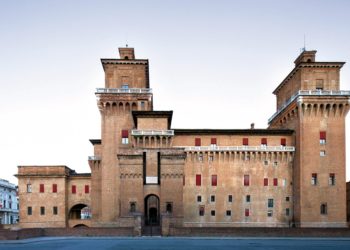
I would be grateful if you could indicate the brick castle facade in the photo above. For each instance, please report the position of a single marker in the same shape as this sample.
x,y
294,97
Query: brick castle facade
x,y
145,172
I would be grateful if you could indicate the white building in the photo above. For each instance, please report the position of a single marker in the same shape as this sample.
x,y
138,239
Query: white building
x,y
8,203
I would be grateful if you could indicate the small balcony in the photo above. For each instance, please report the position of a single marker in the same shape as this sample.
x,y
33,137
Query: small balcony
x,y
240,148
152,132
123,91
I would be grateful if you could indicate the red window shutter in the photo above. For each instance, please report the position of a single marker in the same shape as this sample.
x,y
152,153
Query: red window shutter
x,y
283,142
42,188
213,141
266,181
87,189
54,188
125,134
74,189
246,180
323,135
246,212
264,141
245,142
198,180
275,181
214,180
197,142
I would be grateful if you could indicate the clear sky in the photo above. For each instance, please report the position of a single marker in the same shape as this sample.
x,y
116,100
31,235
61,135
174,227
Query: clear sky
x,y
215,63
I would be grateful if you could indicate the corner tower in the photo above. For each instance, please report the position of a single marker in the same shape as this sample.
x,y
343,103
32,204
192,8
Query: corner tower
x,y
126,89
310,102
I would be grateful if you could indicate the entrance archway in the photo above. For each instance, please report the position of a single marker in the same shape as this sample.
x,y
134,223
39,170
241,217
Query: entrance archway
x,y
152,210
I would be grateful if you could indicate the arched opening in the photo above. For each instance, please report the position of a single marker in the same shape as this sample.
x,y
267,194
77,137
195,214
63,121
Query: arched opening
x,y
152,210
80,226
80,212
126,57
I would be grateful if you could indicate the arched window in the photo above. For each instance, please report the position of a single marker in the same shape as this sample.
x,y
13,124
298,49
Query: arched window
x,y
169,207
132,207
324,208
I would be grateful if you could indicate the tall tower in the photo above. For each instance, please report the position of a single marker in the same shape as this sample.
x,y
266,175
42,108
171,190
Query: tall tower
x,y
309,102
126,89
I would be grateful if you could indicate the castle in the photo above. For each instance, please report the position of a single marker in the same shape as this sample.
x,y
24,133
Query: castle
x,y
144,171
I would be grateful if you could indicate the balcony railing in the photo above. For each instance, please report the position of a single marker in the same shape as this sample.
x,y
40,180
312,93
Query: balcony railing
x,y
310,93
123,90
152,132
240,148
94,158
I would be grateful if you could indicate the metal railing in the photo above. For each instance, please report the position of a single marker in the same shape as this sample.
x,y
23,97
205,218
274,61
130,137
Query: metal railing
x,y
123,90
94,158
310,93
135,132
240,148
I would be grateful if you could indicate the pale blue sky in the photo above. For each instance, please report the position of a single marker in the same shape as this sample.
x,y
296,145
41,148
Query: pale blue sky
x,y
207,59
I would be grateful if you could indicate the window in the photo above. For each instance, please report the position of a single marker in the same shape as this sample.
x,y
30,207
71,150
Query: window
x,y
322,137
201,211
228,212
211,158
41,188
264,142
269,213
212,212
266,181
283,142
284,182
287,198
125,86
199,198
266,163
198,180
275,181
212,198
54,210
270,203
332,179
246,212
323,153
213,142
132,207
275,163
142,104
245,142
42,210
246,180
314,179
247,198
200,157
29,210
323,208
29,188
87,189
169,207
214,180
125,137
319,84
54,188
74,189
230,198
287,212
183,180
197,142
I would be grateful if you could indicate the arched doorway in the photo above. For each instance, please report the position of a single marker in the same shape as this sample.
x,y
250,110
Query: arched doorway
x,y
152,210
80,212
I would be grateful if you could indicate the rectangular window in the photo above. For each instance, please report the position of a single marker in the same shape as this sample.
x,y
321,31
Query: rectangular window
x,y
246,180
29,210
212,198
246,212
287,198
142,104
29,188
323,153
211,157
74,189
54,210
201,211
275,163
247,198
319,84
125,137
213,141
314,179
270,203
169,207
212,212
199,198
266,163
266,181
283,142
264,141
132,207
269,213
183,180
245,142
322,137
287,211
197,142
275,181
54,188
323,208
41,188
42,210
198,180
200,157
214,180
87,189
228,212
230,198
332,179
